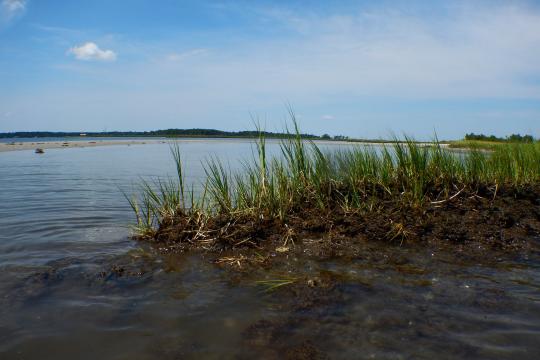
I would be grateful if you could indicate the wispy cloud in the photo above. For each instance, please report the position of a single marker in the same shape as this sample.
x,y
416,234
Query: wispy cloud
x,y
474,52
10,9
186,54
58,30
328,117
90,51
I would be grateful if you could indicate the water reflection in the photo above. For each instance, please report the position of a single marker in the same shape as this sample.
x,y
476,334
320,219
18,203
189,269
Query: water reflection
x,y
74,285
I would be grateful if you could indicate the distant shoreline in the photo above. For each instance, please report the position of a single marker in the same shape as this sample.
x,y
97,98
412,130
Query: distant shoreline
x,y
82,143
45,145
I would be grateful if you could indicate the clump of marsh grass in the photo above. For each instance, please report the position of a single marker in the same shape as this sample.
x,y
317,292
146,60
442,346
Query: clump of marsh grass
x,y
305,177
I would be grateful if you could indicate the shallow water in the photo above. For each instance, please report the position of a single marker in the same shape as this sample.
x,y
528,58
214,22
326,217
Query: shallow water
x,y
73,285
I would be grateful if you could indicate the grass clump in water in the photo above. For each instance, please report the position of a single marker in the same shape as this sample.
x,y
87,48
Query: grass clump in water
x,y
232,206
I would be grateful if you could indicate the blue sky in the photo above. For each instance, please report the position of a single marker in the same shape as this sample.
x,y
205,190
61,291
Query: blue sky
x,y
360,68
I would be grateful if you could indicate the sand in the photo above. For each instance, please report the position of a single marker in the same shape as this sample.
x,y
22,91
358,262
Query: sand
x,y
14,146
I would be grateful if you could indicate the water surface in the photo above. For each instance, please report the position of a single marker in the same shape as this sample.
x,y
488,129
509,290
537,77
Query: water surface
x,y
74,285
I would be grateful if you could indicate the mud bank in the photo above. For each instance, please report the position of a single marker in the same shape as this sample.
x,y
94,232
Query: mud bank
x,y
470,223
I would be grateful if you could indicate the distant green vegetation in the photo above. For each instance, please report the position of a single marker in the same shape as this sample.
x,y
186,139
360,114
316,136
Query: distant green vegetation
x,y
155,133
471,140
475,144
484,142
512,138
306,177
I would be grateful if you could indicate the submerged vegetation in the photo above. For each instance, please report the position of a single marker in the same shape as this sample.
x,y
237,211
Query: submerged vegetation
x,y
394,192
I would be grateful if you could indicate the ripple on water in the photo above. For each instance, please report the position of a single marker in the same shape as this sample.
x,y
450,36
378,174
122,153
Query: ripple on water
x,y
73,285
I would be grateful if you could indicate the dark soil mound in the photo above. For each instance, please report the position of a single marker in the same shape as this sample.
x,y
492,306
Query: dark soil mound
x,y
507,220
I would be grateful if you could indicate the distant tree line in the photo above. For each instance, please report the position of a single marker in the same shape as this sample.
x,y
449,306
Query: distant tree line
x,y
155,133
511,138
229,134
336,137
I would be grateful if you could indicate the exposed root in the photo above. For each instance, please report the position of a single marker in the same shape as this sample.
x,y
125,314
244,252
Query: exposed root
x,y
289,235
449,199
398,230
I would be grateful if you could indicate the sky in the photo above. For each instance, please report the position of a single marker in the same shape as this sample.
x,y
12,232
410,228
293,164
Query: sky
x,y
365,69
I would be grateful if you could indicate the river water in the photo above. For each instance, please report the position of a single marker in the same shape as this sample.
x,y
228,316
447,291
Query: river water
x,y
73,284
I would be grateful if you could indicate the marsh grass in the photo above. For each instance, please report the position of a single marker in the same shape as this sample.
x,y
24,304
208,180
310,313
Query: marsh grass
x,y
478,144
305,176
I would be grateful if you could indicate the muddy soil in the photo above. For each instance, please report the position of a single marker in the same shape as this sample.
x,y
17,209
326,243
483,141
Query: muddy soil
x,y
470,224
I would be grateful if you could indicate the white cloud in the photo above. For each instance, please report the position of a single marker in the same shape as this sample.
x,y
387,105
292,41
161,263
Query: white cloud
x,y
11,8
90,51
328,117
